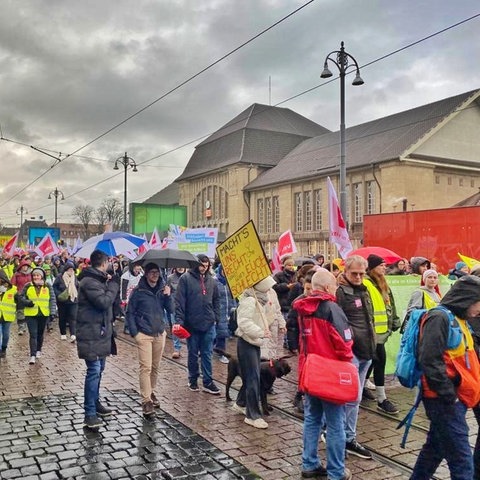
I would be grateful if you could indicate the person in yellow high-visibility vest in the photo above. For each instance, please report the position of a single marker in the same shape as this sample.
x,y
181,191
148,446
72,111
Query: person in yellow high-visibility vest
x,y
8,307
39,301
385,321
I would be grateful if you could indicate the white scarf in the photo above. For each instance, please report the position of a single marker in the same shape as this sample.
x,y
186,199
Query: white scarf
x,y
69,279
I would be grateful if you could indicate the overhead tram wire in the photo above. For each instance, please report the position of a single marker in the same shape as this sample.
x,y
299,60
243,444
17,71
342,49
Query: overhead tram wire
x,y
211,65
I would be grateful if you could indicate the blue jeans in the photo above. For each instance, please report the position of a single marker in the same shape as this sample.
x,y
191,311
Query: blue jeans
x,y
447,439
249,394
351,409
314,409
177,344
93,378
4,334
200,344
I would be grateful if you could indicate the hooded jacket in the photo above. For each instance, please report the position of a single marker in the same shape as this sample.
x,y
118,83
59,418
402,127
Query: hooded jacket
x,y
197,305
145,312
440,378
94,319
324,328
357,305
417,262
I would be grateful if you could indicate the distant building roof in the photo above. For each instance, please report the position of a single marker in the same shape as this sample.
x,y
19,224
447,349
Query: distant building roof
x,y
376,141
170,195
471,201
260,135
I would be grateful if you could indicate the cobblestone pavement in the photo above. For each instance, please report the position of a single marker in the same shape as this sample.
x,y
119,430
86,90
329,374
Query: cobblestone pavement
x,y
195,435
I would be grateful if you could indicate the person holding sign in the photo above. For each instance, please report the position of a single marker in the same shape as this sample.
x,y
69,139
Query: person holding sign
x,y
256,306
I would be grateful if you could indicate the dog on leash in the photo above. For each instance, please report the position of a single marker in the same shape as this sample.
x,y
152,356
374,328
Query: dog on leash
x,y
270,370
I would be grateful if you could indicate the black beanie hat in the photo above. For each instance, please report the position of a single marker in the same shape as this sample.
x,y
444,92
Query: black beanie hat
x,y
150,266
374,261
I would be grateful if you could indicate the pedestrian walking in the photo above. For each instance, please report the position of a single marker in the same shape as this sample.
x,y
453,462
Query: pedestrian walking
x,y
147,325
38,300
95,341
66,291
197,308
386,321
8,306
172,282
324,330
20,278
450,383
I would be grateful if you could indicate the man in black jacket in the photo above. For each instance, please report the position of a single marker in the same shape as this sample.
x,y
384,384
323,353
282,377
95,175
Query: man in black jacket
x,y
95,332
197,308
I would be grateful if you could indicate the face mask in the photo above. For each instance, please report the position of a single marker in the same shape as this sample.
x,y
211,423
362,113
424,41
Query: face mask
x,y
3,288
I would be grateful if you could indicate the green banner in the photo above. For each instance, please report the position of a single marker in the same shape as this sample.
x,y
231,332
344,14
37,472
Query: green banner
x,y
402,287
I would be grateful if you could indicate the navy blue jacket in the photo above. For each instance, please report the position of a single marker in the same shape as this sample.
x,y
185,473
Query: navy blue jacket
x,y
145,311
197,303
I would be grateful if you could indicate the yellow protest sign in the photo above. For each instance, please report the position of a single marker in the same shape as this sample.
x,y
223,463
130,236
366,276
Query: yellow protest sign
x,y
243,259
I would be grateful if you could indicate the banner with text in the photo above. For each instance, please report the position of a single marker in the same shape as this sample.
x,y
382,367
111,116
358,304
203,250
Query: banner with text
x,y
195,240
243,259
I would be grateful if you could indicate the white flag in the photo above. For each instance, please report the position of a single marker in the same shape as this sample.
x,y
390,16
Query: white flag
x,y
338,229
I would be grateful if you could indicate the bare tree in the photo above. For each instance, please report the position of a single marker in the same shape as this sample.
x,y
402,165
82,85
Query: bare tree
x,y
110,212
84,214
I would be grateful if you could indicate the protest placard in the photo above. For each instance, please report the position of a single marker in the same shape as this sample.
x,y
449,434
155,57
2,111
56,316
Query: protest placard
x,y
243,259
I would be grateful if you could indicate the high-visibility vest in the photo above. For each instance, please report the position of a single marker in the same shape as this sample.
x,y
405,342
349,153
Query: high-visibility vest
x,y
380,318
41,302
8,306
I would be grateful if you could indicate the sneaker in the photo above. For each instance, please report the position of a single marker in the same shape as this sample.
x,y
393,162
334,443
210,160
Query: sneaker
x,y
148,409
211,388
323,437
369,385
103,411
320,471
271,391
72,338
32,360
193,386
155,400
3,353
368,395
258,423
238,409
92,423
176,354
388,407
38,354
298,403
356,449
347,475
63,337
223,359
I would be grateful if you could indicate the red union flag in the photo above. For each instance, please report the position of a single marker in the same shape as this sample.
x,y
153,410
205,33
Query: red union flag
x,y
338,230
10,246
47,246
286,244
144,247
155,241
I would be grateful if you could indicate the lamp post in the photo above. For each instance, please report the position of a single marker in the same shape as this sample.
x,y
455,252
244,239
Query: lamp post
x,y
126,161
20,211
341,61
56,193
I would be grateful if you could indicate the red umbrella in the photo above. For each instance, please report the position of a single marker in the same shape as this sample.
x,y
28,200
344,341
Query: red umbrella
x,y
389,256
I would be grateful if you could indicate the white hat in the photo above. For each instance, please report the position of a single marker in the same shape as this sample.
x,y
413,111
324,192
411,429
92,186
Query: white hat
x,y
265,285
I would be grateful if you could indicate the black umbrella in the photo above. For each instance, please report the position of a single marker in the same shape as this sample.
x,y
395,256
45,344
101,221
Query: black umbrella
x,y
168,258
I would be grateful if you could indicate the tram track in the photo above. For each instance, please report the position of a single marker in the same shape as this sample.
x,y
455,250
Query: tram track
x,y
382,458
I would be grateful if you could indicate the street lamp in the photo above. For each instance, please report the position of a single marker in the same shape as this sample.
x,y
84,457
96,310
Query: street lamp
x,y
341,62
126,161
56,193
20,211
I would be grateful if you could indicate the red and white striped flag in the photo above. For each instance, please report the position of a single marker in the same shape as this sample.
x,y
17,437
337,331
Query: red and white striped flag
x,y
10,246
47,246
338,229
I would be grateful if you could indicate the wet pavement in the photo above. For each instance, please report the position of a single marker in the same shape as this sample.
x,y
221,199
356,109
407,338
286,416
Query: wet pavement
x,y
194,435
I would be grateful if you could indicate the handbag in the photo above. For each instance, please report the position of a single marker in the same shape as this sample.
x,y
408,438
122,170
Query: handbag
x,y
64,296
332,380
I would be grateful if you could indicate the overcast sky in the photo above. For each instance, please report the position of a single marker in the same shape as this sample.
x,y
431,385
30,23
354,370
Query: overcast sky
x,y
70,71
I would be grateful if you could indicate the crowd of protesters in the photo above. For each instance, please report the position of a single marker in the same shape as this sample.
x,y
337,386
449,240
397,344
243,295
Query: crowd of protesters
x,y
351,299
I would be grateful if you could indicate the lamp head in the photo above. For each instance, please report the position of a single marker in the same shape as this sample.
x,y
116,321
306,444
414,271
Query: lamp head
x,y
326,72
357,81
116,166
135,168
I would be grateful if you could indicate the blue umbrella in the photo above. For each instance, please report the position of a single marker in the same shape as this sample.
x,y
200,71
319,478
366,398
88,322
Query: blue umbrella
x,y
111,243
